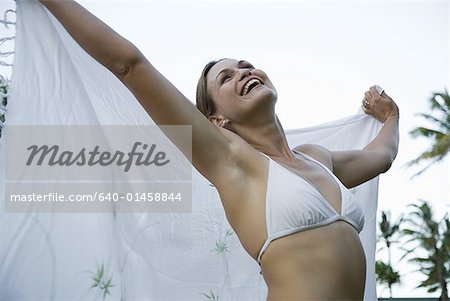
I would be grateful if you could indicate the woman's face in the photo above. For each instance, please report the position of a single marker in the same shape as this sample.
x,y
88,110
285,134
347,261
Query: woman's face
x,y
240,91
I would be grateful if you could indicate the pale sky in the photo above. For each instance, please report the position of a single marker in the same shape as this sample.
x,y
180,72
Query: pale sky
x,y
322,57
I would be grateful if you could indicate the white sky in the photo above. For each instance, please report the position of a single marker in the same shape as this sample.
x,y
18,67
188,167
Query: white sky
x,y
322,57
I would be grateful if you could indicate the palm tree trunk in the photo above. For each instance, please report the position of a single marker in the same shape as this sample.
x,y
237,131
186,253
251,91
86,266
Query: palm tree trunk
x,y
444,292
389,258
389,253
442,280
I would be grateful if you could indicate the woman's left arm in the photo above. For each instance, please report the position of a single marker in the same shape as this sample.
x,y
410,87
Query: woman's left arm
x,y
358,166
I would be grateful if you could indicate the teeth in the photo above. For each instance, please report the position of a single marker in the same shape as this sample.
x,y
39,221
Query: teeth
x,y
248,84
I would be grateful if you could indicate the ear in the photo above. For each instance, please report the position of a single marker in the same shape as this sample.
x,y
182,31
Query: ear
x,y
218,120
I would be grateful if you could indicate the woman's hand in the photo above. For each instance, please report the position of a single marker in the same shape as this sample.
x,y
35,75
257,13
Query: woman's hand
x,y
379,106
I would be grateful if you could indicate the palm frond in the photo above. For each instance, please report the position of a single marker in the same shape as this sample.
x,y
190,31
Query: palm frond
x,y
426,132
443,104
440,146
442,123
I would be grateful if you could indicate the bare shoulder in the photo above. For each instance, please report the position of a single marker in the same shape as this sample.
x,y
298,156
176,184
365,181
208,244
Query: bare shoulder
x,y
320,153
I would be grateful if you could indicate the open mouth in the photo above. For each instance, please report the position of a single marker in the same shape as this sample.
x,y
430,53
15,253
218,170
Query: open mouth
x,y
250,85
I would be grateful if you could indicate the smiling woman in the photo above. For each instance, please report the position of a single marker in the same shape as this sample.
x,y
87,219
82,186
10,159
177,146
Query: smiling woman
x,y
290,208
235,91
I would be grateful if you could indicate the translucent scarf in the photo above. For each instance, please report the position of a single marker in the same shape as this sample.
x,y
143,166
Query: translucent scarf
x,y
135,256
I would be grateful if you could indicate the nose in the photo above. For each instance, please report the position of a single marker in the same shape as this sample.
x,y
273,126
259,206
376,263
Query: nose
x,y
244,73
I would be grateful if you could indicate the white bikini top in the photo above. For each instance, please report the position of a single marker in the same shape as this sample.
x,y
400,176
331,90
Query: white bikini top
x,y
294,205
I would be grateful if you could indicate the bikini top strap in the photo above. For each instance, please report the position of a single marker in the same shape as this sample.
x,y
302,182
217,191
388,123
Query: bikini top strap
x,y
304,155
311,159
314,160
265,155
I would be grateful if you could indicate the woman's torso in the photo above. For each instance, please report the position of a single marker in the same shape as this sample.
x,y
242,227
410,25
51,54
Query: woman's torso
x,y
320,263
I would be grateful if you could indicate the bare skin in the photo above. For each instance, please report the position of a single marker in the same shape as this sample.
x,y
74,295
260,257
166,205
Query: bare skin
x,y
326,263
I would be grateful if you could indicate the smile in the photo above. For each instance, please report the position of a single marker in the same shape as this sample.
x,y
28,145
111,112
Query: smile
x,y
250,85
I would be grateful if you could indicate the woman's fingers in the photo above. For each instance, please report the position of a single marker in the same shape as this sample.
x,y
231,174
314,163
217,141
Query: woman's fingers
x,y
381,106
371,98
367,99
374,92
378,105
365,102
365,109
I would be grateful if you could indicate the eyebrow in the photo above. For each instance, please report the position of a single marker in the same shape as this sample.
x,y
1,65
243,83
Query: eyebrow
x,y
239,64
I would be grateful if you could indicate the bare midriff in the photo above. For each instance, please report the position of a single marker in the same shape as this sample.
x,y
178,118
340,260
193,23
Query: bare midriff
x,y
326,263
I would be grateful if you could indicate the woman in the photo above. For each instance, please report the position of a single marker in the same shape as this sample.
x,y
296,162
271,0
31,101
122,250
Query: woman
x,y
290,208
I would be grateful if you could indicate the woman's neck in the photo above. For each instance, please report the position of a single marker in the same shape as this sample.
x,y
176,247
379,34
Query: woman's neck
x,y
268,138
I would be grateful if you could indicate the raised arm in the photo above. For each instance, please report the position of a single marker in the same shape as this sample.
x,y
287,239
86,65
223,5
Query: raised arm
x,y
358,166
164,103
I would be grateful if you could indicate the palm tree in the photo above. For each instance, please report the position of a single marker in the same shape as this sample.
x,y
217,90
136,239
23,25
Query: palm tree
x,y
389,231
440,135
433,238
386,275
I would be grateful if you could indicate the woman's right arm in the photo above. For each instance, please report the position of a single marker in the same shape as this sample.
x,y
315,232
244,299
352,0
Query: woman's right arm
x,y
165,104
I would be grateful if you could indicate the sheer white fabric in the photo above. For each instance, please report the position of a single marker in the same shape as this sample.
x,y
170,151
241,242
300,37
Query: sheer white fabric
x,y
193,256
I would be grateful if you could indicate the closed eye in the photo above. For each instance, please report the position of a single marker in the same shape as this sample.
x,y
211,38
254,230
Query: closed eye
x,y
225,78
228,73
